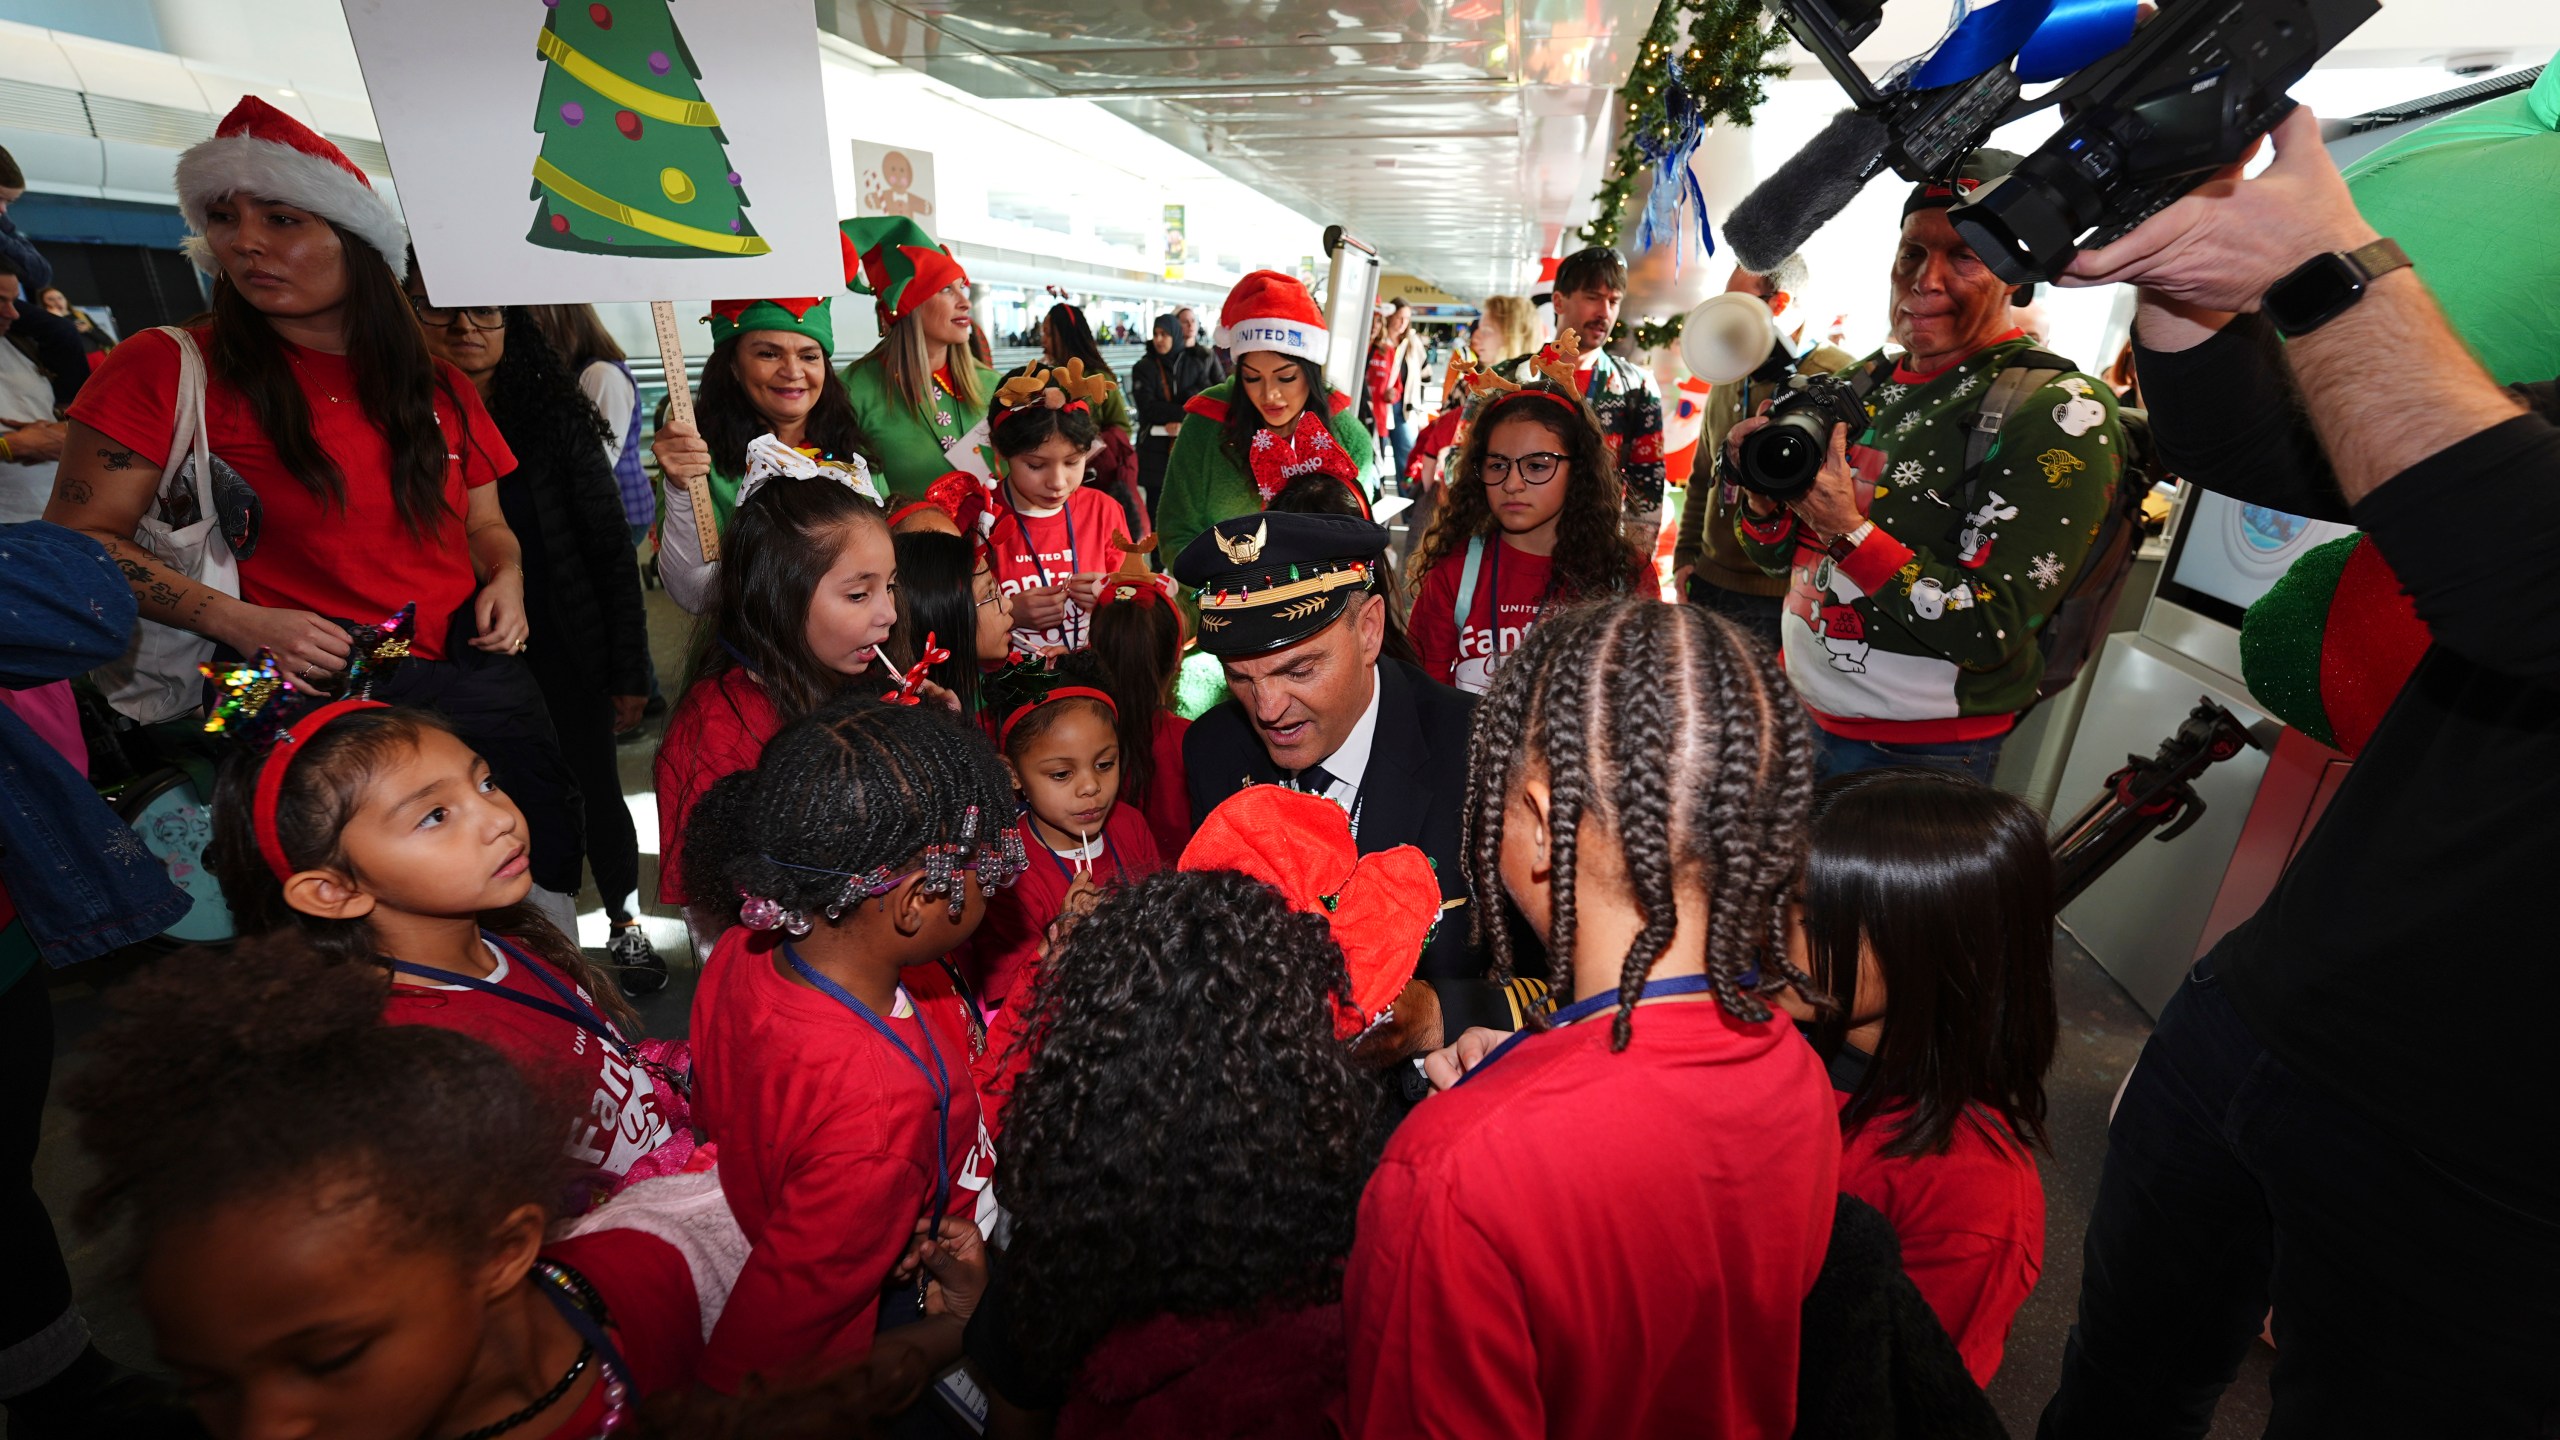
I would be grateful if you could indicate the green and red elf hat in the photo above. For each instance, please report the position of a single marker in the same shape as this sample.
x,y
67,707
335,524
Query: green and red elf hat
x,y
802,315
890,258
2329,645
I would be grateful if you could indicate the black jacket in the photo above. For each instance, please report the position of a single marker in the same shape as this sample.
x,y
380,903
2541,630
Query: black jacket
x,y
1159,385
1873,1363
1411,794
582,580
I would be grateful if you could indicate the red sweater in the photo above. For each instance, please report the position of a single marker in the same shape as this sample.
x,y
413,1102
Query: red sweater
x,y
649,1296
1580,1243
1467,658
827,1150
1270,1377
720,727
999,958
1033,552
1971,1223
1166,802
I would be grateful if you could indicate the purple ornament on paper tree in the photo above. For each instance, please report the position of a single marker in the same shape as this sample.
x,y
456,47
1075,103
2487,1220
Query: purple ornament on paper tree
x,y
657,62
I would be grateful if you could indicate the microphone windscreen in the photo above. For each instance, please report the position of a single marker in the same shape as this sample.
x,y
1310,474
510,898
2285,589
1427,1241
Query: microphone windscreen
x,y
1800,196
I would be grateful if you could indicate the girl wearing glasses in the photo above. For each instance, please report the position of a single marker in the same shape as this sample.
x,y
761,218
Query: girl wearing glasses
x,y
1529,521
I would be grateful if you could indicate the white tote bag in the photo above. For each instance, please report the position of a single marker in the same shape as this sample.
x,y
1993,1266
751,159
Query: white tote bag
x,y
157,679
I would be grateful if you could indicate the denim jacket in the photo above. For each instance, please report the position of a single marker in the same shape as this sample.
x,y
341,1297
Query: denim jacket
x,y
80,877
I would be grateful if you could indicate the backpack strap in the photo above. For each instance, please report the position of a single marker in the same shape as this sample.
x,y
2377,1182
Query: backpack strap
x,y
1467,581
2027,372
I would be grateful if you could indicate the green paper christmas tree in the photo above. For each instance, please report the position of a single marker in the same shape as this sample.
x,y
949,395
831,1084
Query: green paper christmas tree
x,y
633,161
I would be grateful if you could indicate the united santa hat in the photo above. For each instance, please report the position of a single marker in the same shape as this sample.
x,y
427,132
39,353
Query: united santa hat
x,y
1271,311
259,150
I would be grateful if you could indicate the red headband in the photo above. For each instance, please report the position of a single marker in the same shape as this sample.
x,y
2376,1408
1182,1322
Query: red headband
x,y
1543,395
271,773
1063,692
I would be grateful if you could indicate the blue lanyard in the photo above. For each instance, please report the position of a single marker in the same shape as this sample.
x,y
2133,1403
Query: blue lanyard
x,y
1066,511
937,1079
571,1009
1033,835
1596,1005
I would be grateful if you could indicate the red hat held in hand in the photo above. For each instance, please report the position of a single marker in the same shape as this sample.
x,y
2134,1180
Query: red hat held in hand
x,y
1381,906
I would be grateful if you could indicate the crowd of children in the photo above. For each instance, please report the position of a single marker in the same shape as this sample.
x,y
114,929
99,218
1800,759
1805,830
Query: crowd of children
x,y
1018,1097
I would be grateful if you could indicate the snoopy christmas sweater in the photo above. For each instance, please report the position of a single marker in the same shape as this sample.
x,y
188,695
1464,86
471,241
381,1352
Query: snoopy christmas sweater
x,y
1926,631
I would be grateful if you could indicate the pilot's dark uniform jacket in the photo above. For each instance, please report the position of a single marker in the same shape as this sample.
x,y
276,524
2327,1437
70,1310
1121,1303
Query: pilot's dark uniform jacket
x,y
1272,579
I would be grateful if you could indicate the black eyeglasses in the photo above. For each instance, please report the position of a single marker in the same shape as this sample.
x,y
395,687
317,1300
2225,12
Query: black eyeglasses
x,y
1536,468
477,317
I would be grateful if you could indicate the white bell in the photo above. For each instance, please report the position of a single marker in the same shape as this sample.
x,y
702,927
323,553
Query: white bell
x,y
1728,336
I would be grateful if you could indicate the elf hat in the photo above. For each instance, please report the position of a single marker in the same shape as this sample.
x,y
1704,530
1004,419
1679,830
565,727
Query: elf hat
x,y
805,315
260,151
1381,907
1271,311
891,258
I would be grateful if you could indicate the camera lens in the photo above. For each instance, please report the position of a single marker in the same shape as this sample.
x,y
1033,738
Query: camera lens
x,y
1782,460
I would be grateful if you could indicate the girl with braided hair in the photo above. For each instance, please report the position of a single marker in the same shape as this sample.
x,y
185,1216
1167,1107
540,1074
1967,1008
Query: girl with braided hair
x,y
833,1052
1607,1226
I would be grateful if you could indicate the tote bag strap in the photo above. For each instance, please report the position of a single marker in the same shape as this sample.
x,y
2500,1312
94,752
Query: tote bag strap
x,y
187,429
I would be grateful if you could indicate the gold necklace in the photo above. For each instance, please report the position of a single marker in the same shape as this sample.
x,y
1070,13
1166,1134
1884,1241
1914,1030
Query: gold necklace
x,y
300,368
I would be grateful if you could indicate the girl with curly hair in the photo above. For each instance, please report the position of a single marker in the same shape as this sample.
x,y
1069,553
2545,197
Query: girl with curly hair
x,y
375,833
1652,1172
338,1225
1248,973
1530,520
833,1053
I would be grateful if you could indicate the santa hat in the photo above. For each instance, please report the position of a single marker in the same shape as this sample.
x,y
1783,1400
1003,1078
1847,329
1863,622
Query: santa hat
x,y
891,258
260,151
1271,311
1381,907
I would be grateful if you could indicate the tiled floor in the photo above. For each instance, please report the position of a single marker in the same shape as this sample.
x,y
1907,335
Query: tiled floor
x,y
2102,1031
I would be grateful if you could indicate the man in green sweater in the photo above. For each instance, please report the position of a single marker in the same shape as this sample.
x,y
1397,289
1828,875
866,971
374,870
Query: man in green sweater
x,y
1916,589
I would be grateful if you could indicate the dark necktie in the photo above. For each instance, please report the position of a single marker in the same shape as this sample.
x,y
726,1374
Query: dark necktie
x,y
1316,780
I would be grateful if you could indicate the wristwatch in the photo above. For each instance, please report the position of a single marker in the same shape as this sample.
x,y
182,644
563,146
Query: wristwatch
x,y
1844,546
2327,286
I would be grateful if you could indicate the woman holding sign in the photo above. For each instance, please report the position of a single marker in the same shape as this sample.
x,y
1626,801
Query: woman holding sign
x,y
767,375
353,473
920,391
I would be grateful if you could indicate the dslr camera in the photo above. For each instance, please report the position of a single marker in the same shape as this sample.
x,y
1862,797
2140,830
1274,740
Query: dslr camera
x,y
1781,459
2142,125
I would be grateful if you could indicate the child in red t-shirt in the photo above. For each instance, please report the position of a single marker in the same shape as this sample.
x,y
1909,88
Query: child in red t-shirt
x,y
1058,731
1531,518
1053,542
807,593
1930,895
832,1054
1137,643
1608,1225
339,1224
379,835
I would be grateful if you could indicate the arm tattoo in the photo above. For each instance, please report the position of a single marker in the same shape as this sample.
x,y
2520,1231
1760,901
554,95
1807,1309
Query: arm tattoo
x,y
134,570
114,458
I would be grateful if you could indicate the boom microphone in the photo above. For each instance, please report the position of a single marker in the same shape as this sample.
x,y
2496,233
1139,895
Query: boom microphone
x,y
1800,196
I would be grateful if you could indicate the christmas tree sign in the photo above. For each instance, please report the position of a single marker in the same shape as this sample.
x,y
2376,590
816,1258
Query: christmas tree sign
x,y
601,150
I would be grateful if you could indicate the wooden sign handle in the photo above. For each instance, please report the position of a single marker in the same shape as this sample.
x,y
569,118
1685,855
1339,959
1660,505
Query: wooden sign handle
x,y
662,313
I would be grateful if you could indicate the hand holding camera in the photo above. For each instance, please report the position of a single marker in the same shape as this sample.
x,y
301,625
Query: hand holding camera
x,y
1825,498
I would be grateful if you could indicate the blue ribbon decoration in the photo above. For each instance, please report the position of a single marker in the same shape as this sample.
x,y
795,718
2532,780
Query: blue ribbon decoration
x,y
1675,185
2048,38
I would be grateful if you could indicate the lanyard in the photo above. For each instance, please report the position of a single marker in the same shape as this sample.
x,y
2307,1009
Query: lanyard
x,y
1493,607
570,1008
1067,511
1597,1004
1113,855
937,1079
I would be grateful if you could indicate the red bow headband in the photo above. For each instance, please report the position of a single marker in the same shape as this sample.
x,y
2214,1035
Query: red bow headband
x,y
1063,692
273,768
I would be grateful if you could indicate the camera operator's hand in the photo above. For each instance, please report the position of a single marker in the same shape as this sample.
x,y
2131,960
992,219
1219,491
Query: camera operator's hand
x,y
1757,505
1830,508
2223,246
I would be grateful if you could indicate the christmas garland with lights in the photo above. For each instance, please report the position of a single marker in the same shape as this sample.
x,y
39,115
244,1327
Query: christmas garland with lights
x,y
1720,74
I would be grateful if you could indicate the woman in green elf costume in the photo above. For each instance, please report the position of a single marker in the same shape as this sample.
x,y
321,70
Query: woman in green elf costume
x,y
768,374
919,393
1243,439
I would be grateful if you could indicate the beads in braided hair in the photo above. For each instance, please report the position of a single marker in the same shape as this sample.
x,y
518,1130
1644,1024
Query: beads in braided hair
x,y
1672,731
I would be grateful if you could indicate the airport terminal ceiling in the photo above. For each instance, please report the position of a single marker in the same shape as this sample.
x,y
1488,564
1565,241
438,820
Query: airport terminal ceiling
x,y
1458,136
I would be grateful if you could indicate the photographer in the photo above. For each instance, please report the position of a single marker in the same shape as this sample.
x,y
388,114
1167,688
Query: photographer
x,y
1920,580
2319,1123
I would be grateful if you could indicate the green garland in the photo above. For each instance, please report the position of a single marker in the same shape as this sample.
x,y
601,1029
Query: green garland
x,y
1726,67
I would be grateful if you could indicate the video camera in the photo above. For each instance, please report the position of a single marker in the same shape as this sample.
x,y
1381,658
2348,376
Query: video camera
x,y
2145,124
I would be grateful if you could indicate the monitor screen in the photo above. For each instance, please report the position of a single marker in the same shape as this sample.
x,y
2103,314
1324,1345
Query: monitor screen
x,y
2227,553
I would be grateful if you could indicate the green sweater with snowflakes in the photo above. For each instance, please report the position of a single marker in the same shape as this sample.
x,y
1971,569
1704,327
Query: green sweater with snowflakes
x,y
1926,631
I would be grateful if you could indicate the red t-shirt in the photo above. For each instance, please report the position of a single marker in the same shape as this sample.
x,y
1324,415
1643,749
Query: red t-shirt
x,y
1166,802
998,959
1090,520
719,728
1582,1243
619,1116
656,1315
356,562
827,1151
1468,658
1971,1223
